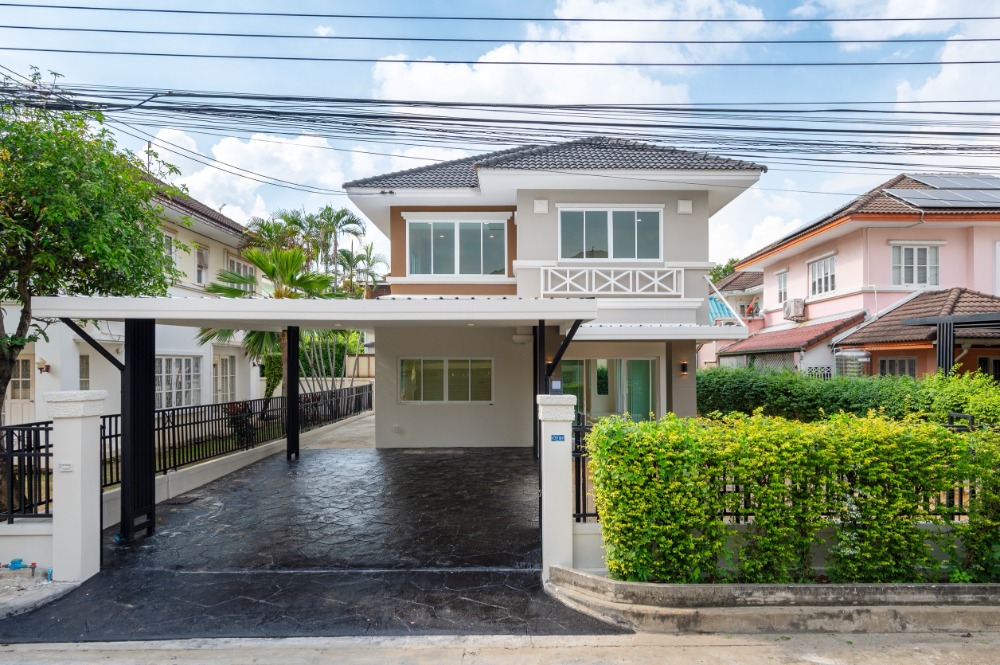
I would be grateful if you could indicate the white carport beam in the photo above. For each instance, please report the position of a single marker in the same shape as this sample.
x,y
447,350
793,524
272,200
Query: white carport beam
x,y
318,314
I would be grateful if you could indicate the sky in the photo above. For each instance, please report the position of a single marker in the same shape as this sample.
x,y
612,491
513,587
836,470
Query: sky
x,y
786,197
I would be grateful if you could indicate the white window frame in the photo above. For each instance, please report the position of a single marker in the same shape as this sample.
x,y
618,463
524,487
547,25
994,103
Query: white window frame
x,y
658,209
235,264
224,378
891,365
399,374
84,371
782,281
160,378
170,245
457,218
823,270
201,268
901,248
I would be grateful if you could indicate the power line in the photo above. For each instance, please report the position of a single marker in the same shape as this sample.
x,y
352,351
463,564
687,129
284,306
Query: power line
x,y
534,19
554,63
519,40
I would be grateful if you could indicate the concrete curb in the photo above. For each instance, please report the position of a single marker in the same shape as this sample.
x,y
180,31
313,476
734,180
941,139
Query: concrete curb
x,y
914,609
31,598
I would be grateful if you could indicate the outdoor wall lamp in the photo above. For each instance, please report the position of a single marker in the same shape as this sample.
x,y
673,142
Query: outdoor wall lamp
x,y
43,366
684,368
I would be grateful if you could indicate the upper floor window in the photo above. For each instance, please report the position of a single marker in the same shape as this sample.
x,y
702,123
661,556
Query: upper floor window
x,y
457,248
242,268
822,276
170,245
782,287
201,265
915,265
609,234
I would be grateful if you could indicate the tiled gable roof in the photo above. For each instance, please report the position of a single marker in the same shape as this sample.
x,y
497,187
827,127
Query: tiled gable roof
x,y
889,327
741,280
597,152
875,202
791,339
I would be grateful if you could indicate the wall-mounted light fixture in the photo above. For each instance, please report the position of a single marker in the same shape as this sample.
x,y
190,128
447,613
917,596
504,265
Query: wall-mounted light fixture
x,y
684,368
43,366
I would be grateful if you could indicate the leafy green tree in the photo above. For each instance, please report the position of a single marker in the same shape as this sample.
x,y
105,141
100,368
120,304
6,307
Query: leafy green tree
x,y
78,216
329,226
370,271
288,276
724,270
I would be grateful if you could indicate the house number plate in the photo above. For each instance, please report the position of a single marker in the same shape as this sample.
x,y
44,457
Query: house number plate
x,y
558,437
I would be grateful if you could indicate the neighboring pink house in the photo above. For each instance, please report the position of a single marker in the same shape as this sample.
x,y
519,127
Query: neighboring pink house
x,y
912,234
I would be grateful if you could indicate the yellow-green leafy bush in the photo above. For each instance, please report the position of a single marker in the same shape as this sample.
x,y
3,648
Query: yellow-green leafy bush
x,y
664,490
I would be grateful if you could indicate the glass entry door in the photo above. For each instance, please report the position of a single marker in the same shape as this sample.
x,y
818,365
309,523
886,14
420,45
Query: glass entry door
x,y
605,386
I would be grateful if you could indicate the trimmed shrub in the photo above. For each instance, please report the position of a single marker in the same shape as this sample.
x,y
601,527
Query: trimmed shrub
x,y
980,536
663,490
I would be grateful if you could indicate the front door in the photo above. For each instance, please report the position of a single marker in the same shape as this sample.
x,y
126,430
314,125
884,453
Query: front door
x,y
604,386
19,407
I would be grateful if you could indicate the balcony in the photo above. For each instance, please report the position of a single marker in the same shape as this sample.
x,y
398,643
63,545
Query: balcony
x,y
612,282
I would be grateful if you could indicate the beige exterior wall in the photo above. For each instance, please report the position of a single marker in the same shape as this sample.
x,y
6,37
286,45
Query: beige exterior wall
x,y
218,255
507,421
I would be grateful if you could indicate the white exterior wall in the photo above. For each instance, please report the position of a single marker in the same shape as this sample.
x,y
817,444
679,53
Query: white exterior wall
x,y
507,421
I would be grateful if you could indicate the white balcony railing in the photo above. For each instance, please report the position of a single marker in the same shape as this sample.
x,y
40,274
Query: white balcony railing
x,y
612,282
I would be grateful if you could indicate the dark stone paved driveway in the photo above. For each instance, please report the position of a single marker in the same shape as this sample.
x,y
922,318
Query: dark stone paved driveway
x,y
342,542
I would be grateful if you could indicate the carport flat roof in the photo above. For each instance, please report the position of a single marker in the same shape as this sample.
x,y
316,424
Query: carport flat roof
x,y
318,314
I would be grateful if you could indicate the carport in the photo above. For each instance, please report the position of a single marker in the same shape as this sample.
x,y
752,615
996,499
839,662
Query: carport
x,y
140,316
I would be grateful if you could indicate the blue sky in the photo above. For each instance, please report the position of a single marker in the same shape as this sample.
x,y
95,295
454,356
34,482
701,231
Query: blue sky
x,y
786,197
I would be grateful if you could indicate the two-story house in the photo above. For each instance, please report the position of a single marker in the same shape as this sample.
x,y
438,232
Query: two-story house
x,y
621,222
186,374
917,245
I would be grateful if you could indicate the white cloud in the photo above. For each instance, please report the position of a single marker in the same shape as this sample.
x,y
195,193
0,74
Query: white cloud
x,y
578,84
324,31
886,9
753,220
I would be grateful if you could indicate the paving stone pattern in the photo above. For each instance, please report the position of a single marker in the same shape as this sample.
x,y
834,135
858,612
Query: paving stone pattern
x,y
342,542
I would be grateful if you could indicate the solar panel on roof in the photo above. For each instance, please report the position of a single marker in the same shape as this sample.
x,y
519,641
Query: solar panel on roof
x,y
958,180
948,198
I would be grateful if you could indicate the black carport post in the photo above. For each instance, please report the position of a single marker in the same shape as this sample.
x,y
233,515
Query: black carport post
x,y
292,394
945,345
138,444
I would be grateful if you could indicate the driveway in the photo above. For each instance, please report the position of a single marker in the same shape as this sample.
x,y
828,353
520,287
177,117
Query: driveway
x,y
345,541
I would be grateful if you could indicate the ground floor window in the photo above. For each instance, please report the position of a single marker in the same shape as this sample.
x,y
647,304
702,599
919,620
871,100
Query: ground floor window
x,y
990,367
604,386
446,380
177,381
897,367
84,372
224,379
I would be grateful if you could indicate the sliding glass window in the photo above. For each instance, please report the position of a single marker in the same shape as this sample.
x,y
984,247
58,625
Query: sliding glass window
x,y
457,248
609,234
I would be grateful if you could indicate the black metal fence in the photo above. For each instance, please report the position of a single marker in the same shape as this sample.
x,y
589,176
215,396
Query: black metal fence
x,y
584,509
26,455
190,434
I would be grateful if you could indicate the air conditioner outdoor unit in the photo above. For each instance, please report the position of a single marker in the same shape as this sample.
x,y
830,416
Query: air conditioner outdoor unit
x,y
795,309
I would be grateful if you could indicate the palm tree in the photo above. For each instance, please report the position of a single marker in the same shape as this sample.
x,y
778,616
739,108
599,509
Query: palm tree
x,y
369,271
288,275
330,226
270,233
352,266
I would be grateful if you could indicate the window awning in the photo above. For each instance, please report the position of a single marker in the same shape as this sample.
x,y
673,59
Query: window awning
x,y
317,314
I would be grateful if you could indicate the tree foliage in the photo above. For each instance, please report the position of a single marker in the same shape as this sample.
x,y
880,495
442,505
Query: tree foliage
x,y
78,216
723,270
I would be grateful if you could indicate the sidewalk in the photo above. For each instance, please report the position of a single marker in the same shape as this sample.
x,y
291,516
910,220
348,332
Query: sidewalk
x,y
631,649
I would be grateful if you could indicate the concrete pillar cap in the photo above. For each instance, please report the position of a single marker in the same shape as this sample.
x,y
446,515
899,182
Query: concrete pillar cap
x,y
556,408
76,403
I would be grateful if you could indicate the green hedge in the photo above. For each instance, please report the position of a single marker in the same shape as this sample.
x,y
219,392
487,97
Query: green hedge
x,y
801,397
662,488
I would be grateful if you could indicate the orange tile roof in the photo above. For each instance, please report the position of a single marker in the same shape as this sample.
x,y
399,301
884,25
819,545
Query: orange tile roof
x,y
799,338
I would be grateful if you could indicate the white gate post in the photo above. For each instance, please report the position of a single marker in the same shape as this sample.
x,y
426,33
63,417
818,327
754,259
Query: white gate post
x,y
76,481
557,413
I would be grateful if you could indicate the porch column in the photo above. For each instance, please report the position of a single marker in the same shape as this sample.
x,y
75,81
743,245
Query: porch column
x,y
556,414
76,483
292,395
138,429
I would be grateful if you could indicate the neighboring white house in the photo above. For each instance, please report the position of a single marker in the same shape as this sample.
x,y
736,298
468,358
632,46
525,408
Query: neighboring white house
x,y
187,374
621,222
